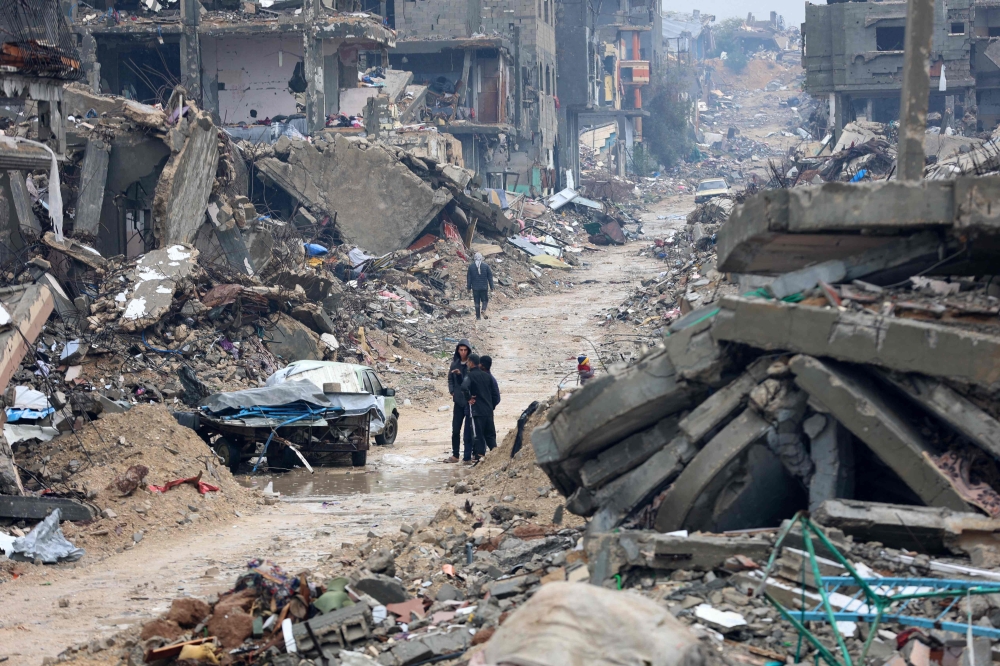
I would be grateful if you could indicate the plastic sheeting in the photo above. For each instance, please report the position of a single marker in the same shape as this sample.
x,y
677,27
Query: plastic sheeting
x,y
47,543
279,395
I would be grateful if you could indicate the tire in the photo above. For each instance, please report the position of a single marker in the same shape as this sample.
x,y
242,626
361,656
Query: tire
x,y
388,436
359,458
229,452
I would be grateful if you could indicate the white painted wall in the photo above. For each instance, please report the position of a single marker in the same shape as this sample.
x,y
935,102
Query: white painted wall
x,y
253,76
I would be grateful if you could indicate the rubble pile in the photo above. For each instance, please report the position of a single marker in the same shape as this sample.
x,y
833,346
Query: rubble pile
x,y
113,463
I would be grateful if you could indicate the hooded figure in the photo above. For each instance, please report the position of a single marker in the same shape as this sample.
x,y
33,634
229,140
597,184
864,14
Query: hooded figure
x,y
479,280
461,415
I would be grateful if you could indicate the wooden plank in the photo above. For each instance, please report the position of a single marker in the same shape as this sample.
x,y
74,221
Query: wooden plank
x,y
26,507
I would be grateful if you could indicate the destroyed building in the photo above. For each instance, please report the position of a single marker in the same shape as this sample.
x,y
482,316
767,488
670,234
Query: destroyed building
x,y
242,67
608,57
853,57
488,74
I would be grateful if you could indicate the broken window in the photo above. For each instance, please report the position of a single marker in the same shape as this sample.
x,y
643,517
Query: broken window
x,y
548,80
957,28
889,39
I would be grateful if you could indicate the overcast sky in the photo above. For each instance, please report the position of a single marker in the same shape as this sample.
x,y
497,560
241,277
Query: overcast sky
x,y
793,10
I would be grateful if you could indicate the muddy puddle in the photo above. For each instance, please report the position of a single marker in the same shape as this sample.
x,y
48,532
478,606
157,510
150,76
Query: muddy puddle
x,y
394,473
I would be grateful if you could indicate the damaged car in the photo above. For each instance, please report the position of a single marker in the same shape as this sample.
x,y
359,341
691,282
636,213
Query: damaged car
x,y
310,411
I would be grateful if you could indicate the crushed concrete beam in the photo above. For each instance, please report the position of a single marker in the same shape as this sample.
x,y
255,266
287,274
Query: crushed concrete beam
x,y
981,428
628,453
37,508
892,343
618,499
93,178
693,352
619,551
696,480
381,212
924,529
150,294
720,405
612,407
22,202
855,401
185,184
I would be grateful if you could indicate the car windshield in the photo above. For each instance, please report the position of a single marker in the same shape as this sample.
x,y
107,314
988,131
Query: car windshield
x,y
712,185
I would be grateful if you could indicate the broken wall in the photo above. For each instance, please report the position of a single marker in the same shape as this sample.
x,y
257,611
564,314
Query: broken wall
x,y
251,75
379,203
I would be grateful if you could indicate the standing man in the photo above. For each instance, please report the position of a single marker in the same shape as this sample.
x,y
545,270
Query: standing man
x,y
460,412
486,365
477,388
479,279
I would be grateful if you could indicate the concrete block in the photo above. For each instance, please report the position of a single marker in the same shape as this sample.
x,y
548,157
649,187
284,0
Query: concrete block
x,y
895,344
731,442
855,401
932,530
652,550
93,176
613,407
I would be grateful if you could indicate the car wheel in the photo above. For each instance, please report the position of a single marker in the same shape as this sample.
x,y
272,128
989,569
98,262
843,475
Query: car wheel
x,y
388,436
359,458
228,452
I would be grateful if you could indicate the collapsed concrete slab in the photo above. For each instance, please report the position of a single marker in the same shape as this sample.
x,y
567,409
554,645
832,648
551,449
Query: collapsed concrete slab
x,y
293,341
892,343
612,407
628,453
154,281
611,553
185,183
783,230
689,503
379,203
856,402
620,497
925,529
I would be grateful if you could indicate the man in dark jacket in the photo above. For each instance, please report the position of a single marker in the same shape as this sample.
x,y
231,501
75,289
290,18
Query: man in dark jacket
x,y
477,388
480,280
460,412
486,365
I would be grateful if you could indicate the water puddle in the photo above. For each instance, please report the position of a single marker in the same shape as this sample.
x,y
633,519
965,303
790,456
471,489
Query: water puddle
x,y
394,473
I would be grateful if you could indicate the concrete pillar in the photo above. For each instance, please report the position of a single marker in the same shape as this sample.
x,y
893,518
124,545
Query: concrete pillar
x,y
869,110
88,60
949,112
621,147
191,48
331,80
315,64
916,88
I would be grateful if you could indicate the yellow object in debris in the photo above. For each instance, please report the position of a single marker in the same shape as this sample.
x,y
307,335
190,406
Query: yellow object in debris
x,y
203,652
549,261
314,262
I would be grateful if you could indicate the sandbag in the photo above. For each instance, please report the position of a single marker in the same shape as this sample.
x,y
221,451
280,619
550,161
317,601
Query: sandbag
x,y
576,624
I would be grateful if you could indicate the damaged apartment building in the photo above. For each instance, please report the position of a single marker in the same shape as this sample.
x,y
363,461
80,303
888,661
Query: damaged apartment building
x,y
486,71
853,56
608,55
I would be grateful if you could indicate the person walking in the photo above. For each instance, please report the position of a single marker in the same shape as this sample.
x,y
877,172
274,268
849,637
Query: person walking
x,y
479,280
461,414
477,389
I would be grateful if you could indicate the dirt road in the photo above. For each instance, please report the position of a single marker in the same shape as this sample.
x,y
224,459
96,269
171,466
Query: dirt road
x,y
534,342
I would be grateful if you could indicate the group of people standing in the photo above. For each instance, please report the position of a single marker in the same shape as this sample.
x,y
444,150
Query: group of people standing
x,y
476,394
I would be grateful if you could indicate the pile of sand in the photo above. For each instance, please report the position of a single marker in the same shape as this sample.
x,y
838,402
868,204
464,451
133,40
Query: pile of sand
x,y
145,435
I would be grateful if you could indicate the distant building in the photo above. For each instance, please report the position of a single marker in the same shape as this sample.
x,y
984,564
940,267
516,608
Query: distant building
x,y
853,57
